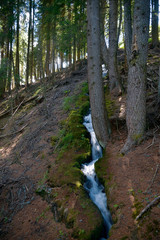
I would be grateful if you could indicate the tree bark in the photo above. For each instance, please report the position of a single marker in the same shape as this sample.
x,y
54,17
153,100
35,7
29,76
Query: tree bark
x,y
70,43
54,45
104,49
61,58
17,78
96,91
136,91
128,28
155,15
113,70
48,51
29,38
32,60
10,63
120,22
75,36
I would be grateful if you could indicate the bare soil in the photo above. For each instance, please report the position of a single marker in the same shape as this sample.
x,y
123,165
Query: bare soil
x,y
134,182
25,158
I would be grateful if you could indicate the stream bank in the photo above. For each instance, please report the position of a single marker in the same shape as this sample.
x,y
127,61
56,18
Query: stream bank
x,y
31,162
126,179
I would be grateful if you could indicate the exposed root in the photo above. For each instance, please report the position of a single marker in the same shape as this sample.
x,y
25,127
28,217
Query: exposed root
x,y
127,146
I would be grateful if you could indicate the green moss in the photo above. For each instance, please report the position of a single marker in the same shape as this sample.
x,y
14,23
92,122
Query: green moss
x,y
137,208
94,225
54,140
28,107
137,138
43,156
124,238
110,106
101,170
82,158
66,173
68,103
38,91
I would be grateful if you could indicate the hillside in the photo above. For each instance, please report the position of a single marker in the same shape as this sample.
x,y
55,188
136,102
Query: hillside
x,y
42,147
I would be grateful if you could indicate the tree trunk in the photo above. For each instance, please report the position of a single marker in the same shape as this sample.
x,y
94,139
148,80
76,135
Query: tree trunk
x,y
29,37
70,43
32,60
96,90
10,64
128,28
17,78
75,36
53,54
136,91
120,22
155,15
113,70
78,52
74,52
61,57
104,49
48,51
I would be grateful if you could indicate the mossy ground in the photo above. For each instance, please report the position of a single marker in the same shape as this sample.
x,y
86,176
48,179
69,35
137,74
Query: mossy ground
x,y
74,206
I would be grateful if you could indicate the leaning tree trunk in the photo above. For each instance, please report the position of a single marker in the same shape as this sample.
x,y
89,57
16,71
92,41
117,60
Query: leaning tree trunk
x,y
96,91
155,23
113,70
136,91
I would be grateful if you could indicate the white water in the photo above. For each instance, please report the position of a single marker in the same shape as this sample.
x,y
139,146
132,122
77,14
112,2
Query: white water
x,y
92,185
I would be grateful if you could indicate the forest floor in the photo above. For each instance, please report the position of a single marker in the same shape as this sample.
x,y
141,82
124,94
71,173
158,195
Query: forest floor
x,y
26,156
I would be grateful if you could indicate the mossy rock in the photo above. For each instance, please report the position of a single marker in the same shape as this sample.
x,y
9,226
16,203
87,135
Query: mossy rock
x,y
66,174
82,158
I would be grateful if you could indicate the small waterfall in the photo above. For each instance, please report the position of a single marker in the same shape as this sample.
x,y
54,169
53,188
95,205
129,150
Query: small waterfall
x,y
92,185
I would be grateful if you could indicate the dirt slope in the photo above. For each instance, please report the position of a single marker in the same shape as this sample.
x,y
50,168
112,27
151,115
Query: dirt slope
x,y
25,158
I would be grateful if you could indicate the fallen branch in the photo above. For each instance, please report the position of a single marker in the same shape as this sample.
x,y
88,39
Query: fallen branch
x,y
151,204
6,112
153,178
151,143
12,115
10,134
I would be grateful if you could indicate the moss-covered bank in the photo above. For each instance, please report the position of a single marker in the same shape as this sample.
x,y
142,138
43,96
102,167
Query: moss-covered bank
x,y
71,204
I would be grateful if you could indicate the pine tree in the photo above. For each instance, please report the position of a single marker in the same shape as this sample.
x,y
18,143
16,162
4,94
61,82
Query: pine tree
x,y
96,91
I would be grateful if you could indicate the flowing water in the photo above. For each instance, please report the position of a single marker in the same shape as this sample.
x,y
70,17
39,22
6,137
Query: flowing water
x,y
92,185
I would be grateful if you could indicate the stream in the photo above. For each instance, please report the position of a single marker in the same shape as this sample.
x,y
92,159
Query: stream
x,y
92,185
